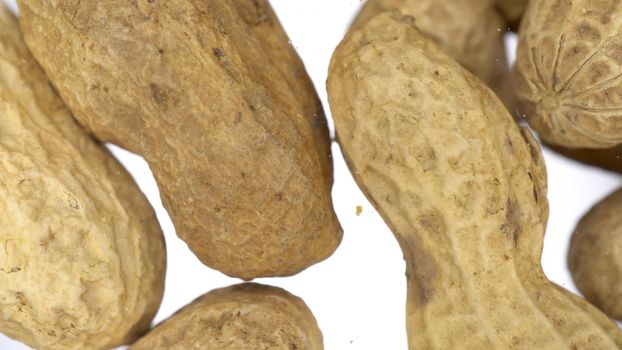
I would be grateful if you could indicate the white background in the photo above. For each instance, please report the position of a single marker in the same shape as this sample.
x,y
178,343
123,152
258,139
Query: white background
x,y
358,294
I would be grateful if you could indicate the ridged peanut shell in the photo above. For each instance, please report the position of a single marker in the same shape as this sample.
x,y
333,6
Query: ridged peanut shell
x,y
569,71
470,31
82,256
463,189
215,98
242,317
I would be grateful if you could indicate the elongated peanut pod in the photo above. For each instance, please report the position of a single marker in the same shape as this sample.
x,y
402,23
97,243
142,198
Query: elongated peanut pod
x,y
243,317
569,71
216,99
82,256
462,188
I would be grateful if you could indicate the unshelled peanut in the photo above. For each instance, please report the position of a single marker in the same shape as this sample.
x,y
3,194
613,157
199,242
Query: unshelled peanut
x,y
595,255
569,71
82,255
216,99
463,189
243,317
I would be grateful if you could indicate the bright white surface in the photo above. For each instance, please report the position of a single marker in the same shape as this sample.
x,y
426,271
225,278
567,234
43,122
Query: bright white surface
x,y
357,295
12,4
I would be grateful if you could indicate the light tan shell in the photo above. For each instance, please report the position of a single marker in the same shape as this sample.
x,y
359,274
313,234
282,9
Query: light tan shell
x,y
463,190
595,255
215,98
82,256
569,71
597,316
243,317
470,31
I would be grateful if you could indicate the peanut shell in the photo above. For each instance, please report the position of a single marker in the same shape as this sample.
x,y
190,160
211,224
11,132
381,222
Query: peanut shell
x,y
82,256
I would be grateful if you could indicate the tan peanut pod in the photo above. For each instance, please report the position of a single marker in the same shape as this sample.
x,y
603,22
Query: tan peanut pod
x,y
243,317
595,255
215,98
512,11
470,31
462,188
569,72
82,256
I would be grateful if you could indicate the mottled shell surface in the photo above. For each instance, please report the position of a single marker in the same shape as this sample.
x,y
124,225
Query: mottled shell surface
x,y
462,187
470,31
595,255
569,71
82,256
215,98
242,317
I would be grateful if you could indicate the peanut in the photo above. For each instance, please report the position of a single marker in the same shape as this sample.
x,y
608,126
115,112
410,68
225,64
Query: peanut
x,y
569,71
462,188
470,31
243,317
217,101
595,255
82,256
